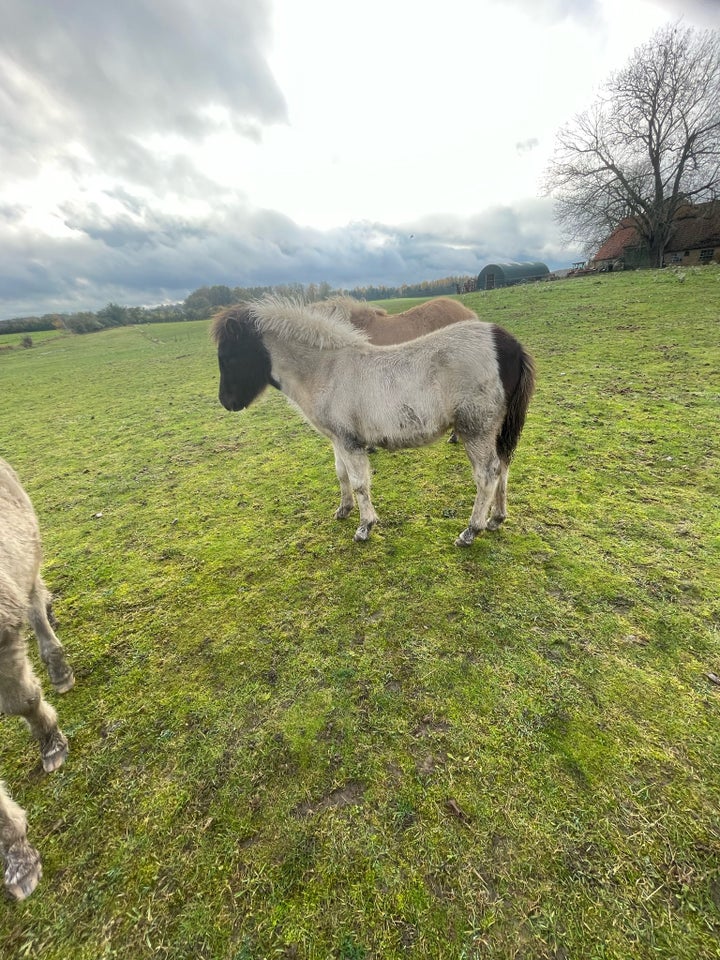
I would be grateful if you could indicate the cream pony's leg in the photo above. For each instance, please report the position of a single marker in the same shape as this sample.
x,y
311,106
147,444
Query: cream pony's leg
x,y
21,862
346,494
498,513
357,467
21,695
486,469
51,650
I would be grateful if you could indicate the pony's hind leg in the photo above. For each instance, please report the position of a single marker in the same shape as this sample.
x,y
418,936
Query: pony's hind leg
x,y
51,650
346,494
498,511
487,472
21,695
21,862
357,470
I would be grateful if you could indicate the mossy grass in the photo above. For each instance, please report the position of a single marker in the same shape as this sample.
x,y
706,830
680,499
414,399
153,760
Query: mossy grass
x,y
287,744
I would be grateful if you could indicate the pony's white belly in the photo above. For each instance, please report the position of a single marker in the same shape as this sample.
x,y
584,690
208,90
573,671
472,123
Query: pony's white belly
x,y
405,425
388,419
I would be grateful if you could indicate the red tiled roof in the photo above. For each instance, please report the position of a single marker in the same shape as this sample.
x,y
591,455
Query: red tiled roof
x,y
614,246
695,227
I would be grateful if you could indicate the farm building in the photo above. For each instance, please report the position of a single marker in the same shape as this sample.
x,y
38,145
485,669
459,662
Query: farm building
x,y
695,240
508,274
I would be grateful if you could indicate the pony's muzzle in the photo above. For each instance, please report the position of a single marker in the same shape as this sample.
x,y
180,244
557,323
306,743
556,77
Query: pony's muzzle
x,y
228,402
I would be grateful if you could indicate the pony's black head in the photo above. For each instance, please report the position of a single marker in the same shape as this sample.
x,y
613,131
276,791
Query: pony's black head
x,y
243,357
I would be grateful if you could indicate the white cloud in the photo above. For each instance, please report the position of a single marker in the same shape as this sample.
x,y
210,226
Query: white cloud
x,y
154,146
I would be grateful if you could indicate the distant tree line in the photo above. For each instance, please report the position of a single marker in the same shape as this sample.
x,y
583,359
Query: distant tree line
x,y
204,301
113,315
428,288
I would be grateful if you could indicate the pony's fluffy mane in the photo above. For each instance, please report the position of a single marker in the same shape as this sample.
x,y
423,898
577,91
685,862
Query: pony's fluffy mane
x,y
326,325
228,320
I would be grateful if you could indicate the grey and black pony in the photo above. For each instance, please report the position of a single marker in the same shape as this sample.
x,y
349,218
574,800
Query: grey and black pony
x,y
472,376
23,598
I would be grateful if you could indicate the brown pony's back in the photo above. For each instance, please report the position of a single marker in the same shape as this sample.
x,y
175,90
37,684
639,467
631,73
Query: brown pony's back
x,y
384,329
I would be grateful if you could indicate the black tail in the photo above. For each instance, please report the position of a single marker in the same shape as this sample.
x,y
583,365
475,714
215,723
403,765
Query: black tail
x,y
517,372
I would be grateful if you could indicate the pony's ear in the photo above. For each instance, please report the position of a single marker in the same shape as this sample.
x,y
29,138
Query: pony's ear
x,y
229,322
242,356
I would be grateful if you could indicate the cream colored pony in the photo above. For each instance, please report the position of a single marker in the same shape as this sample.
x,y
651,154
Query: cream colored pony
x,y
384,329
474,376
23,598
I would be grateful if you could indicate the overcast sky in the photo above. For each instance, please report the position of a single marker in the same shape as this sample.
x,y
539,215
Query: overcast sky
x,y
152,146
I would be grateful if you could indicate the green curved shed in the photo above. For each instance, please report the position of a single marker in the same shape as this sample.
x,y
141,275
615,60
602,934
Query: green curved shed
x,y
508,274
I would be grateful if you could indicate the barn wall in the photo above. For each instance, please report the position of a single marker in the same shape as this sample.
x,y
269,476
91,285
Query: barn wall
x,y
692,259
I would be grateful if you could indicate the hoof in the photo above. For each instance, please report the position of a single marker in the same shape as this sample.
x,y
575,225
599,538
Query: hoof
x,y
453,438
495,522
54,750
61,673
67,683
23,870
362,533
342,512
465,538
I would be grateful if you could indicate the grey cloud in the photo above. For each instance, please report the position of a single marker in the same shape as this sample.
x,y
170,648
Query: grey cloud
x,y
701,13
698,13
525,146
521,231
159,258
105,74
11,213
553,11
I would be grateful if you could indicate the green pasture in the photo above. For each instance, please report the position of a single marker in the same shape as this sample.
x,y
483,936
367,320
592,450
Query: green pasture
x,y
14,341
285,744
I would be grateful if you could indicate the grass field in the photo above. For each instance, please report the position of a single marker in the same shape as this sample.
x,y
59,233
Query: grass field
x,y
286,744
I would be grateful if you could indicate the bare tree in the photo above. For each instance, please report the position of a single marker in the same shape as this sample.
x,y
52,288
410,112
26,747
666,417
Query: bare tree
x,y
649,145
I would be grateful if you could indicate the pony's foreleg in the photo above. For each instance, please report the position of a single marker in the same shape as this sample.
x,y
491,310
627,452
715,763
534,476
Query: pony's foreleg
x,y
346,494
486,469
21,695
357,468
51,650
21,862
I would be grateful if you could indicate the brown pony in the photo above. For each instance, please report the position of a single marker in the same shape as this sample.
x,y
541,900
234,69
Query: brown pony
x,y
384,329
